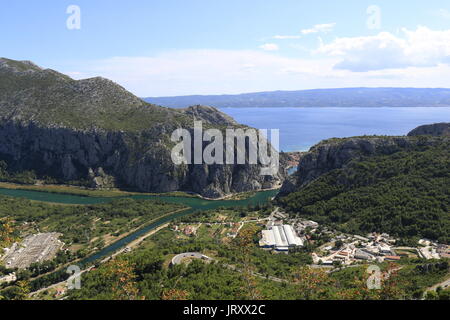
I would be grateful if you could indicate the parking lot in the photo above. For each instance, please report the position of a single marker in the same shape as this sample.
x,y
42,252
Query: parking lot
x,y
34,248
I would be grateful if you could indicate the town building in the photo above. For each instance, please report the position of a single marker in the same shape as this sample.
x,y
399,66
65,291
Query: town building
x,y
361,238
443,251
189,230
280,238
384,249
361,255
392,258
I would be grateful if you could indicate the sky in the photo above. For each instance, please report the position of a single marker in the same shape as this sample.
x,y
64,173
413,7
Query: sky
x,y
186,47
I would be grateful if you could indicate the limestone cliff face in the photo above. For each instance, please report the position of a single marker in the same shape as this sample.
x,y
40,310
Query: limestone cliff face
x,y
330,155
337,153
94,130
109,159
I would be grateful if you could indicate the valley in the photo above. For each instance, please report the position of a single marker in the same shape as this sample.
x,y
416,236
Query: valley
x,y
228,232
90,182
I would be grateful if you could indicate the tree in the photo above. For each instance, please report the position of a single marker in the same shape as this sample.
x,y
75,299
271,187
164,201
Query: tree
x,y
389,287
243,244
338,244
174,294
6,232
123,280
19,292
444,294
311,283
431,295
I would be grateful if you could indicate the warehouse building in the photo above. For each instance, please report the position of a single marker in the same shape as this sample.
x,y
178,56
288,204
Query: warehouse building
x,y
280,238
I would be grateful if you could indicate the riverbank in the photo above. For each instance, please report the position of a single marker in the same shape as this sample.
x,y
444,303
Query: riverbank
x,y
109,240
85,192
70,190
240,195
194,204
131,246
116,193
112,240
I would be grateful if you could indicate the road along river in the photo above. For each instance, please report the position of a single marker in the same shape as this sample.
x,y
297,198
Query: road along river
x,y
194,204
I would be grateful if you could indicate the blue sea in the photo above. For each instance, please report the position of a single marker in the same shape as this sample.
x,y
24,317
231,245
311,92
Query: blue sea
x,y
301,128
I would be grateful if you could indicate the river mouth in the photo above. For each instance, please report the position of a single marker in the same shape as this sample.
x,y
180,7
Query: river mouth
x,y
193,204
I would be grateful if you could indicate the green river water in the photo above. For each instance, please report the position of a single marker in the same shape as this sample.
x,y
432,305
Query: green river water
x,y
194,204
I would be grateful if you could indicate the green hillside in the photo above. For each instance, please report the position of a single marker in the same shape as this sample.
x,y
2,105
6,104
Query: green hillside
x,y
406,194
47,97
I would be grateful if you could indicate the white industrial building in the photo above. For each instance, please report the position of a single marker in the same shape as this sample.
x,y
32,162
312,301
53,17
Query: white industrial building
x,y
280,238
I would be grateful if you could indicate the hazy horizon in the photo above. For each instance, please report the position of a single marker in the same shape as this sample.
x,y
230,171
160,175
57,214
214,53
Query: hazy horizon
x,y
200,47
298,90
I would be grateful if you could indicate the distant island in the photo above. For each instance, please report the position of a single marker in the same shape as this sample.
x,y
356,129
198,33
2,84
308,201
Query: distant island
x,y
344,98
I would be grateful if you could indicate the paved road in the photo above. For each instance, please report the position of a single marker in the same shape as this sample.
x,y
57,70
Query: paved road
x,y
178,259
444,285
59,284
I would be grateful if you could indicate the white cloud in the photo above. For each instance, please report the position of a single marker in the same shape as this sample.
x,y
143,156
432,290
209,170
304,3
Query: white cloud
x,y
420,48
270,47
443,13
286,37
208,71
320,28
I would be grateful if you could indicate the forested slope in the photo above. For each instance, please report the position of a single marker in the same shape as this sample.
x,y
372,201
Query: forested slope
x,y
404,192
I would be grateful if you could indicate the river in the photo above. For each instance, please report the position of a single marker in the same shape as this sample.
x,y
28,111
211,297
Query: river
x,y
194,204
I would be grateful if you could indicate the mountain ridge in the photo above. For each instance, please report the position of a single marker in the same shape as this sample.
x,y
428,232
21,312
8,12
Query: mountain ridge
x,y
94,132
337,97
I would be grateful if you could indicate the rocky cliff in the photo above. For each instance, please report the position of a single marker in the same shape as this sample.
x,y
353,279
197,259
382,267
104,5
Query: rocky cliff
x,y
96,132
338,153
437,129
395,185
